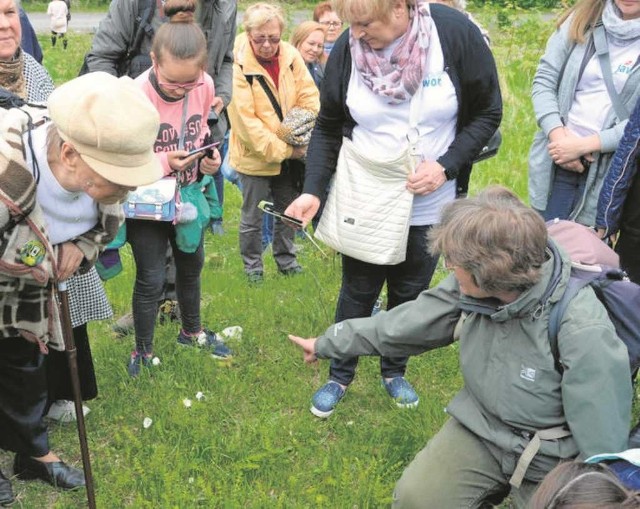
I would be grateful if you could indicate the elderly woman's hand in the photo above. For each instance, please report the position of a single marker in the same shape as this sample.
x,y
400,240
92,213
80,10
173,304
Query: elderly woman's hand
x,y
428,177
304,207
69,259
210,165
299,152
308,346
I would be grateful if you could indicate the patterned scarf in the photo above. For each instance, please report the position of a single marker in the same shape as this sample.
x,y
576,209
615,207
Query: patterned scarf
x,y
12,75
398,76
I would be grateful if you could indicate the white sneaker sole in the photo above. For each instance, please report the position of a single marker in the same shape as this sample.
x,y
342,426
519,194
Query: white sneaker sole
x,y
407,405
320,413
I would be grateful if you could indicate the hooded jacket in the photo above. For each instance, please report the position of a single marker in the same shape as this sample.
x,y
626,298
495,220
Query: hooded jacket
x,y
511,387
620,178
255,149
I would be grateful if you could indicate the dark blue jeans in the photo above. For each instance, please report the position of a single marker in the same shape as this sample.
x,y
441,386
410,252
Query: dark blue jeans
x,y
148,241
361,285
567,189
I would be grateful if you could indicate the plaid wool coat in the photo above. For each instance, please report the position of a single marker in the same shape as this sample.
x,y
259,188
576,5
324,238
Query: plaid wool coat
x,y
28,305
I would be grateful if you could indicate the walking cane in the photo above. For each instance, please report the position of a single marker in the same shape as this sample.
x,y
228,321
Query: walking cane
x,y
72,357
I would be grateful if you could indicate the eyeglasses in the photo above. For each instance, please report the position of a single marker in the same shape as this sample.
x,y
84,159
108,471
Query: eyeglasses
x,y
260,40
332,24
187,87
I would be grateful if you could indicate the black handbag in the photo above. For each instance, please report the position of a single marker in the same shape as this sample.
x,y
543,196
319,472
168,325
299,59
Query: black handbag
x,y
491,148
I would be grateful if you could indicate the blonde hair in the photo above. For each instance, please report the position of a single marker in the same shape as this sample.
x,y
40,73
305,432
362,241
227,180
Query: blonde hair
x,y
304,30
258,14
181,38
585,15
377,9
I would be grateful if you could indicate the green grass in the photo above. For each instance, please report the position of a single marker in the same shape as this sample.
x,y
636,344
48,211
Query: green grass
x,y
252,441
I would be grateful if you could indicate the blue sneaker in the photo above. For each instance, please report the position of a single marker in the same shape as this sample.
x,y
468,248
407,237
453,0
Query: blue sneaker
x,y
209,340
402,392
324,401
137,360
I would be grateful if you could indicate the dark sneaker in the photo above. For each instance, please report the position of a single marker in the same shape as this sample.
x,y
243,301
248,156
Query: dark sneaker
x,y
324,401
292,271
210,341
402,392
136,360
255,278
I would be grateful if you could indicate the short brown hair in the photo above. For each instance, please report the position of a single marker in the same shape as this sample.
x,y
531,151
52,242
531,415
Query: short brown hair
x,y
495,237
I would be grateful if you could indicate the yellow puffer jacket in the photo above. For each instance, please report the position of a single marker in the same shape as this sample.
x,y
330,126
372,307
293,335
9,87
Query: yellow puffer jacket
x,y
254,147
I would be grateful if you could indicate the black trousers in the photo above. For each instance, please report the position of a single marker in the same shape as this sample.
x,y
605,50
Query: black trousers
x,y
23,396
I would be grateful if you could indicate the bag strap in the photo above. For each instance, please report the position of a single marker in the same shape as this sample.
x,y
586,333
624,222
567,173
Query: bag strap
x,y
532,449
143,27
574,285
602,50
265,86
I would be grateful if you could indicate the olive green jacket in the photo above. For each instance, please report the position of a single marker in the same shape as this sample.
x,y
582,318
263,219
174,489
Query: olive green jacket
x,y
511,386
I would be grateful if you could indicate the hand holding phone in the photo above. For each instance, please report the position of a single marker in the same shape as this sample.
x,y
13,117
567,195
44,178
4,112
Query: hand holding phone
x,y
204,148
268,208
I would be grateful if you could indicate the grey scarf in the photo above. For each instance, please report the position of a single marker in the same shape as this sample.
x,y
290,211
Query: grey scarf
x,y
618,28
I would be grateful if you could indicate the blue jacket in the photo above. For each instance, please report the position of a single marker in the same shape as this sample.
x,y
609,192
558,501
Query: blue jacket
x,y
620,176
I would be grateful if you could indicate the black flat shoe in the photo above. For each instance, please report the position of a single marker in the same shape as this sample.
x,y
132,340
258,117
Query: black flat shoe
x,y
6,493
57,473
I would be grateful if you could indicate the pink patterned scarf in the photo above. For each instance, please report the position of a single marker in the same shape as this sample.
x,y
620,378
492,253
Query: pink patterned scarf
x,y
399,76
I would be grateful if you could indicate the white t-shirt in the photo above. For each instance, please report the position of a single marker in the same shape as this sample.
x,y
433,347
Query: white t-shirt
x,y
591,103
382,128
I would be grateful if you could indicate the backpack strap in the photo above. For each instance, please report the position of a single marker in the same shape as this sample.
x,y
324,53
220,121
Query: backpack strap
x,y
265,86
146,10
574,285
602,50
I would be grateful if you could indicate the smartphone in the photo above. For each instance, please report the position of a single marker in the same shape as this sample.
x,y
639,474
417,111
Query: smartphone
x,y
269,209
204,148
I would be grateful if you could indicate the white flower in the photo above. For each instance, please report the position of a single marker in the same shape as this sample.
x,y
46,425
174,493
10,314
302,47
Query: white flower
x,y
234,332
186,402
191,480
155,361
147,422
199,396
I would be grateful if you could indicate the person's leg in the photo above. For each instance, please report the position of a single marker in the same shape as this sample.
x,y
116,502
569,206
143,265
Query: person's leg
x,y
254,189
64,40
54,38
361,285
188,270
284,190
23,396
567,188
148,240
405,282
454,471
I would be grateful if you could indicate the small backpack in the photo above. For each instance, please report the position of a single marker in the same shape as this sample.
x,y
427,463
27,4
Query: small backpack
x,y
619,295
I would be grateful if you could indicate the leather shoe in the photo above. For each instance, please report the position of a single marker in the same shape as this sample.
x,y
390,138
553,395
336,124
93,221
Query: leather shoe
x,y
57,473
6,493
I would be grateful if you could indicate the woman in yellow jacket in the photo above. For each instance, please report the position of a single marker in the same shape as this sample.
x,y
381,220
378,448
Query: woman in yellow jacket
x,y
269,79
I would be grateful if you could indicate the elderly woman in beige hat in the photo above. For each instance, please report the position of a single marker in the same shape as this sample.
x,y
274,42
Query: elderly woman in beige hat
x,y
60,206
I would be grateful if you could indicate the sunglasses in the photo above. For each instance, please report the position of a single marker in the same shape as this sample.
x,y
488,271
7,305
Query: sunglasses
x,y
273,40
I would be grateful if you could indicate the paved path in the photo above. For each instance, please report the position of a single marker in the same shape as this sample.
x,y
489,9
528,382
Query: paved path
x,y
88,21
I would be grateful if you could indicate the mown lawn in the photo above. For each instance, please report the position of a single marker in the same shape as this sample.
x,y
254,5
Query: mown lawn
x,y
251,442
